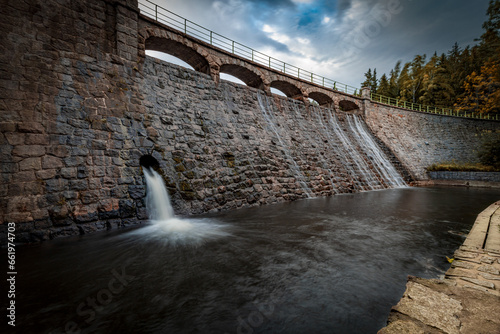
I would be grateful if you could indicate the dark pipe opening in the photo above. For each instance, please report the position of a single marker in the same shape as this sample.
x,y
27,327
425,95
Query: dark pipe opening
x,y
149,162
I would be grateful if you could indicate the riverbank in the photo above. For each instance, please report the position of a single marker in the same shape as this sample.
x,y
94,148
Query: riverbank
x,y
467,299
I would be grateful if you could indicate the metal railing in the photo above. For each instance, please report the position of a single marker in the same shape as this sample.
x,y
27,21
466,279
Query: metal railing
x,y
188,27
429,109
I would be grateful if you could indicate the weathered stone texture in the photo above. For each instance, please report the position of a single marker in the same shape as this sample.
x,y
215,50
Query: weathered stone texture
x,y
80,104
421,139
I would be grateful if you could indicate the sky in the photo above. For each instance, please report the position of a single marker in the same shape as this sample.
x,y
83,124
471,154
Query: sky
x,y
340,39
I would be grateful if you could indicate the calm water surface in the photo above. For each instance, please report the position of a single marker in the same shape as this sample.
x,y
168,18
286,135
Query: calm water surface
x,y
328,265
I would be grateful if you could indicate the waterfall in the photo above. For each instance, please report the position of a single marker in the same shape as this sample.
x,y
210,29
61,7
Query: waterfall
x,y
364,161
294,167
351,153
386,170
169,229
158,204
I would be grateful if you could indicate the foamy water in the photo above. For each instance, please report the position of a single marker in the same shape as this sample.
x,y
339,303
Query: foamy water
x,y
168,228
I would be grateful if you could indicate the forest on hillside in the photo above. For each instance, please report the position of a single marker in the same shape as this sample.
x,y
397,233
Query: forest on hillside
x,y
465,79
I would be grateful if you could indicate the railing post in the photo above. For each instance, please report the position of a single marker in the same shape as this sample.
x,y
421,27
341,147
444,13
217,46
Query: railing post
x,y
211,37
312,78
298,73
185,26
252,54
233,47
284,69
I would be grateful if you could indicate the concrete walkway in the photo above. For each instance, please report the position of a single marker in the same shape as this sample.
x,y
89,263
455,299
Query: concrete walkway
x,y
467,300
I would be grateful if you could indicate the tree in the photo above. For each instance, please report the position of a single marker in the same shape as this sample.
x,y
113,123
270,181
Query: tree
x,y
370,80
383,86
482,90
414,76
395,81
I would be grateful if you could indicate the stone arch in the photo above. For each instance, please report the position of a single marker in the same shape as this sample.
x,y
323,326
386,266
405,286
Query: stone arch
x,y
347,105
179,50
322,98
289,89
249,77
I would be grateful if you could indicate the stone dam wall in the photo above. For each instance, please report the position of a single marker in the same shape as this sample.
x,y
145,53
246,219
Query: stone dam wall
x,y
81,108
421,139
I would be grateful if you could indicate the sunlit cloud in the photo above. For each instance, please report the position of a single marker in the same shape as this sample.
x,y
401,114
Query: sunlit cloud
x,y
339,39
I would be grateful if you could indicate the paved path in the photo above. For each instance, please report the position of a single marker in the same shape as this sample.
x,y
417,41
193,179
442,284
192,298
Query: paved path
x,y
477,261
467,300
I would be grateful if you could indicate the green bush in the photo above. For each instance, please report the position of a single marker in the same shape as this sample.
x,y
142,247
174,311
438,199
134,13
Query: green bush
x,y
489,154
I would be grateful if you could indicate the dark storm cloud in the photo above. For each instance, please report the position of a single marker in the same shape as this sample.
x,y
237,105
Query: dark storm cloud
x,y
340,39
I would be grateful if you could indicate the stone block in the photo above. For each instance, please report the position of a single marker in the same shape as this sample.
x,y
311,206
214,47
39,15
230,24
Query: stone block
x,y
30,164
25,151
30,127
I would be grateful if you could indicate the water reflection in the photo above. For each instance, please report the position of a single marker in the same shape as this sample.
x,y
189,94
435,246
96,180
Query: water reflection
x,y
326,265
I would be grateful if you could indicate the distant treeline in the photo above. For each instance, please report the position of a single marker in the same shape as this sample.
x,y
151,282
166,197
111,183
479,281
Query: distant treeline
x,y
464,79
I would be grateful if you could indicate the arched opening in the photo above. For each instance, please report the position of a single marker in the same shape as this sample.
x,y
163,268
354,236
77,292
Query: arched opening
x,y
287,88
229,77
180,51
277,92
250,78
148,161
168,58
345,105
321,98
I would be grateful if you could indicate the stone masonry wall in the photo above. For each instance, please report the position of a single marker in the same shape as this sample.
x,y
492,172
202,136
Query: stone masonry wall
x,y
80,106
421,139
473,176
68,77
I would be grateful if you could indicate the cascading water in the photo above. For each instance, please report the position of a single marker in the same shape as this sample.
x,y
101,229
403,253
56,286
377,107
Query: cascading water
x,y
158,204
355,146
364,171
294,167
386,170
166,225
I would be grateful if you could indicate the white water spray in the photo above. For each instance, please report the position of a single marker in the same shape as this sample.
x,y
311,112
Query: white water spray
x,y
166,225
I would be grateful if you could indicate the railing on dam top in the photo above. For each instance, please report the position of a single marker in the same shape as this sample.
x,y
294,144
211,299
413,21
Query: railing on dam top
x,y
430,109
182,24
188,27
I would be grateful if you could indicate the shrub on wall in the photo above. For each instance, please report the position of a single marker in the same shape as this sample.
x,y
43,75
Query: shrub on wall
x,y
489,154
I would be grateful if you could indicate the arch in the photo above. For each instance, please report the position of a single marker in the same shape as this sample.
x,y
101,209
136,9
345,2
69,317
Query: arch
x,y
346,105
287,88
179,50
168,58
148,161
321,98
249,77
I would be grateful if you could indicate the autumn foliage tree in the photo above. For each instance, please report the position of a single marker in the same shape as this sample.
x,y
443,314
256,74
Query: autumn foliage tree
x,y
467,80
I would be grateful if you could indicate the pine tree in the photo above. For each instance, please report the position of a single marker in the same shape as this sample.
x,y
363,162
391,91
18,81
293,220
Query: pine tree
x,y
383,86
370,80
395,81
412,84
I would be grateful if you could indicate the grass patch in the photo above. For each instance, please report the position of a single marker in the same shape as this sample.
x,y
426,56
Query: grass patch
x,y
461,167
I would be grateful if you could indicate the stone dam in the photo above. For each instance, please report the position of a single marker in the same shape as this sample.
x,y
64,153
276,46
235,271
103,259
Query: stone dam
x,y
83,108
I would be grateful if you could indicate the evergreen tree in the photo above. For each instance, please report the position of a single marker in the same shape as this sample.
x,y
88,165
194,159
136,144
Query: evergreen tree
x,y
412,86
383,86
370,80
467,78
395,81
